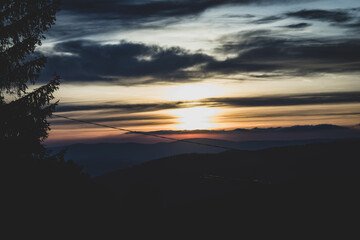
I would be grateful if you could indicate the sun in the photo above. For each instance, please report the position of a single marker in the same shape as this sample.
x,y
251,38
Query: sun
x,y
191,92
195,118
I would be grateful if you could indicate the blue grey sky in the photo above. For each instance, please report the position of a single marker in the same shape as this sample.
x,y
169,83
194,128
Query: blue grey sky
x,y
191,64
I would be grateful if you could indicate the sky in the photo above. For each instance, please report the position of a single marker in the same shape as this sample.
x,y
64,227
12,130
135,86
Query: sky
x,y
151,65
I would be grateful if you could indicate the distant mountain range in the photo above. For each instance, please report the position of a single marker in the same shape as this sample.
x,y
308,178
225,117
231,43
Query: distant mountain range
x,y
101,158
299,132
296,128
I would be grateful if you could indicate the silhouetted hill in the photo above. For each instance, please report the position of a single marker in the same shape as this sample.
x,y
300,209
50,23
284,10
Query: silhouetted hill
x,y
191,177
289,191
102,158
283,190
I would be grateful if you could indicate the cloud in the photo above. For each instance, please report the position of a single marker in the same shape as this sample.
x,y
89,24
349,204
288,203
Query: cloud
x,y
341,17
124,121
298,113
114,113
141,9
238,16
124,9
335,16
89,61
264,50
87,17
123,108
298,25
256,52
354,27
286,100
262,101
269,19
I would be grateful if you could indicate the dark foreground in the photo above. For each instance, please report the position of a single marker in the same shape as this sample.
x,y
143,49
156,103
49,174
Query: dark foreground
x,y
295,192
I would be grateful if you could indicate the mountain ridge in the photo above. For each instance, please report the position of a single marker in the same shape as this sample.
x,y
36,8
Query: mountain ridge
x,y
101,158
187,178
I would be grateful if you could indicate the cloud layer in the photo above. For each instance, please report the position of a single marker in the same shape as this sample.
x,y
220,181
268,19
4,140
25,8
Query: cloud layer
x,y
335,16
89,61
260,51
129,63
288,47
125,9
288,100
87,17
264,101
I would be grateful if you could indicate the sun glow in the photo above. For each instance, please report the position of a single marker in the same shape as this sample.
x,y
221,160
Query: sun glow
x,y
190,92
195,118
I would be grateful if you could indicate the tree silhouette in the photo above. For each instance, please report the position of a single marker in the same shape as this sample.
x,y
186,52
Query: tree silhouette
x,y
23,124
37,183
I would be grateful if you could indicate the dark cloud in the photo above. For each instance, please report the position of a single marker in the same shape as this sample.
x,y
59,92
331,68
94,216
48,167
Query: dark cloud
x,y
266,75
125,121
259,51
335,16
256,52
84,17
269,19
125,9
123,108
262,101
239,16
341,17
112,9
286,100
352,26
297,114
298,25
89,61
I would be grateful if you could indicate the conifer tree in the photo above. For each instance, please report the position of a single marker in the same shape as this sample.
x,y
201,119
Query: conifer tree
x,y
23,124
40,190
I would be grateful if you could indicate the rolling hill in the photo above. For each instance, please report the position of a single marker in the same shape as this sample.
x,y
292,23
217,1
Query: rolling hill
x,y
188,178
101,158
